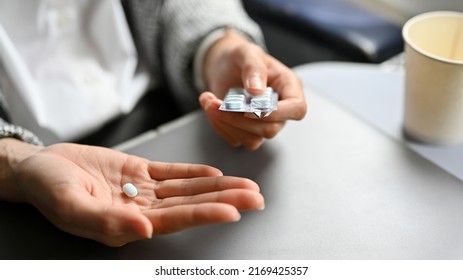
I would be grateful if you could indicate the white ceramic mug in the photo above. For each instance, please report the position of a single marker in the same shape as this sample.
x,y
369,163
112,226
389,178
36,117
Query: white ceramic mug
x,y
433,111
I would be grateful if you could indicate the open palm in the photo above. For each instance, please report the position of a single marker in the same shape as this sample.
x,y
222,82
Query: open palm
x,y
79,189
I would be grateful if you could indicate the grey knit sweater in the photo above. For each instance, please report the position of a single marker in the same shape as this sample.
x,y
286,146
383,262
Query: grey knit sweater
x,y
167,34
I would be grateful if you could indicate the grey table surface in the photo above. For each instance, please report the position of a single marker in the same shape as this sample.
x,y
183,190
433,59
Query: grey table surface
x,y
336,187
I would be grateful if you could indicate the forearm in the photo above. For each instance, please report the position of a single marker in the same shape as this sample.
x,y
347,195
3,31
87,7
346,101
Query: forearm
x,y
12,152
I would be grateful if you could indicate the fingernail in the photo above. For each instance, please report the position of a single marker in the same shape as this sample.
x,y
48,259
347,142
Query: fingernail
x,y
255,82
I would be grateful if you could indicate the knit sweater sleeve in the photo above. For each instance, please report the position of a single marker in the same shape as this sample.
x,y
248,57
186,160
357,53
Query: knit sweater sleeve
x,y
184,25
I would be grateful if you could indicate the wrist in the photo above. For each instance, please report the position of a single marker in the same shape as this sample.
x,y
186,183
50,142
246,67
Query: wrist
x,y
12,153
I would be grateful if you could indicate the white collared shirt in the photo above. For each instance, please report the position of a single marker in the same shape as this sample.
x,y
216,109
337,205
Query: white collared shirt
x,y
67,66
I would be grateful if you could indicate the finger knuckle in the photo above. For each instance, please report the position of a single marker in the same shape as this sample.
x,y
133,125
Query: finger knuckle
x,y
253,145
271,130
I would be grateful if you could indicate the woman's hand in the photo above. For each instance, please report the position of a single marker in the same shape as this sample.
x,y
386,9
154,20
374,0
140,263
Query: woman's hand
x,y
235,62
79,189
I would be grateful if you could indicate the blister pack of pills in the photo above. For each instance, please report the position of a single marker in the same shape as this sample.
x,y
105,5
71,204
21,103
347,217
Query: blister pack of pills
x,y
239,100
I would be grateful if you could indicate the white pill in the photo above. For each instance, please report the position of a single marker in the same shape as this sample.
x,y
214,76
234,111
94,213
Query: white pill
x,y
130,190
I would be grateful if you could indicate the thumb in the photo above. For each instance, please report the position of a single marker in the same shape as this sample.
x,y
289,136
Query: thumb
x,y
254,75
